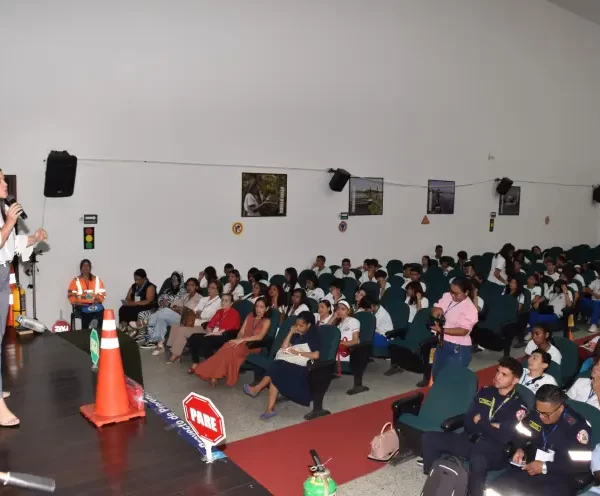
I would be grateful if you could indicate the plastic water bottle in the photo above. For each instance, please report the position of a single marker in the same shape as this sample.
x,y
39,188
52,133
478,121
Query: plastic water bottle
x,y
30,323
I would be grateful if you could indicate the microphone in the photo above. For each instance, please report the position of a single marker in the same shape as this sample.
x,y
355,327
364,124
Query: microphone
x,y
10,200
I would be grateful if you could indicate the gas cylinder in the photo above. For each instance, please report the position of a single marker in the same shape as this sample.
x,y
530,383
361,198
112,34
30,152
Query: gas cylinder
x,y
320,482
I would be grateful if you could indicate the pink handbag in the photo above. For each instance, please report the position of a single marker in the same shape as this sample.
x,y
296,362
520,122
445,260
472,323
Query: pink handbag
x,y
385,445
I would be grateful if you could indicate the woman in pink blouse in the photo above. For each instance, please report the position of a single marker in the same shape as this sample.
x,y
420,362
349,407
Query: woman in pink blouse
x,y
461,316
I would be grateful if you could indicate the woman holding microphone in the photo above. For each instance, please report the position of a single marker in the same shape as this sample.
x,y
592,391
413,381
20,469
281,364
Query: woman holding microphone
x,y
10,244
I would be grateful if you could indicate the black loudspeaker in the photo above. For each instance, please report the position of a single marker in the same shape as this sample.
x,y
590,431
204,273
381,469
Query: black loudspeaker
x,y
61,168
596,194
503,186
339,180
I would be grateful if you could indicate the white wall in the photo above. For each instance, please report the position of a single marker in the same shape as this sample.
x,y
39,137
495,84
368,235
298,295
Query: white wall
x,y
404,89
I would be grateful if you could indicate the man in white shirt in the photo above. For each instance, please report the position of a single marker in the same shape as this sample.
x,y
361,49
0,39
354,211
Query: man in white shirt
x,y
551,270
534,375
414,275
439,252
586,389
369,275
591,306
319,266
345,270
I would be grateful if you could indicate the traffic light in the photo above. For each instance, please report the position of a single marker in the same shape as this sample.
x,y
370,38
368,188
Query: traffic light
x,y
89,238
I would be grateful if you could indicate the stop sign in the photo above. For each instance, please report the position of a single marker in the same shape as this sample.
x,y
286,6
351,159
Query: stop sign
x,y
61,326
204,418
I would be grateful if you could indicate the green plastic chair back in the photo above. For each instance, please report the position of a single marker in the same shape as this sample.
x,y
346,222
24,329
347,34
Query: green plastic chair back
x,y
394,267
244,308
278,279
367,326
247,285
223,280
371,288
399,313
591,414
282,332
334,268
396,281
330,342
275,320
325,282
569,365
312,304
418,329
503,311
394,295
303,276
454,273
350,289
526,395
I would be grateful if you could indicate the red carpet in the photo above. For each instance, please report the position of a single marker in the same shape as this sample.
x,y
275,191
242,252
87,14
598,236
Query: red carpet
x,y
278,460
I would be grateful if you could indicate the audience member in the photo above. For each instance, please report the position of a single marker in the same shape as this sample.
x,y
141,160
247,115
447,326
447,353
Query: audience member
x,y
312,288
226,362
258,290
534,375
591,306
319,266
289,376
415,299
425,263
349,329
540,340
206,276
381,277
414,275
383,321
325,313
587,389
369,274
514,288
502,260
345,270
291,280
489,424
86,293
439,251
140,297
461,259
277,298
335,292
233,286
298,304
551,270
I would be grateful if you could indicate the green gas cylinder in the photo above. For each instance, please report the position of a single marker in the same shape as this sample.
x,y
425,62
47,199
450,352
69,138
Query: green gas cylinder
x,y
320,482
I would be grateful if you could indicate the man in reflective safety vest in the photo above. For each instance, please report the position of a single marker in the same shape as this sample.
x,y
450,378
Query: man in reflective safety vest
x,y
87,293
552,449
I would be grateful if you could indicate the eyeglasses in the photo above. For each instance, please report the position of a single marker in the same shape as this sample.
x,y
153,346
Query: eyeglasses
x,y
547,415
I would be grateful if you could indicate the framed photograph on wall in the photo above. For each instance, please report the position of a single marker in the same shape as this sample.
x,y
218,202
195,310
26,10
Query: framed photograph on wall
x,y
440,197
510,203
366,196
264,195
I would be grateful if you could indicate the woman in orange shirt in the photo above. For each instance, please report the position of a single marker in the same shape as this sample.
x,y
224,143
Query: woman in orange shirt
x,y
87,293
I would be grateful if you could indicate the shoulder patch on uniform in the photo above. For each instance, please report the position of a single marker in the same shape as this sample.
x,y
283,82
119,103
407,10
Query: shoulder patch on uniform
x,y
521,413
535,426
570,419
583,437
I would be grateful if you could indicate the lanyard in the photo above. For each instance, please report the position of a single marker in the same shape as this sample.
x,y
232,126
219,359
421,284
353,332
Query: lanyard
x,y
492,413
138,291
533,381
592,392
544,437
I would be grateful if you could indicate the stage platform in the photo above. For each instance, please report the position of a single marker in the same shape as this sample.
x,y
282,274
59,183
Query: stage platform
x,y
49,379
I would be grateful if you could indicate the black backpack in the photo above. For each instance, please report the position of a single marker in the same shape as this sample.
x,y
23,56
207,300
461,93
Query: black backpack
x,y
447,477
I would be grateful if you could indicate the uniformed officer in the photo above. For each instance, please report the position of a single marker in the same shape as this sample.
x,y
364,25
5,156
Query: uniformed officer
x,y
553,447
489,424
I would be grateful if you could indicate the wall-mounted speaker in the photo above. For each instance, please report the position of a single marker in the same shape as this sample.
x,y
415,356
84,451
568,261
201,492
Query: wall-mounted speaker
x,y
504,186
339,180
61,168
596,194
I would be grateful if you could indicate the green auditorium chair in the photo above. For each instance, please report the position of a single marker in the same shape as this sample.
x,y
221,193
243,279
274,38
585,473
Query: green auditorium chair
x,y
266,344
247,285
313,305
334,268
592,415
527,395
321,371
410,351
454,273
500,325
569,365
303,275
260,363
349,291
396,281
360,353
223,280
244,308
325,282
394,296
277,279
371,289
450,396
394,267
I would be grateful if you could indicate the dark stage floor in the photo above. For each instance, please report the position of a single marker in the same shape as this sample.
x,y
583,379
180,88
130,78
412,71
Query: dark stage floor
x,y
49,380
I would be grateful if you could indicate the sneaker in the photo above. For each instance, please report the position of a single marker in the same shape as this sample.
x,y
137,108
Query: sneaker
x,y
158,351
593,328
420,462
148,344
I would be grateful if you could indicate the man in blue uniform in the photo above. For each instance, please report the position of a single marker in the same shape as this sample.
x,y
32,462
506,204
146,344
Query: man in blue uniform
x,y
553,447
489,425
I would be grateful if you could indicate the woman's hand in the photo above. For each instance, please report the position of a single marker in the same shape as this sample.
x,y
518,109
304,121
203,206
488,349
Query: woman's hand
x,y
436,327
236,342
292,351
419,296
13,213
40,235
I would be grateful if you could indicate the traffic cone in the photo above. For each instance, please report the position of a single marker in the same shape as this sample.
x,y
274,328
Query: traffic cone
x,y
570,325
10,318
112,401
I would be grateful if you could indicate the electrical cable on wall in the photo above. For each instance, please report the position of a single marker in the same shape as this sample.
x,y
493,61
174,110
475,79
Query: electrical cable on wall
x,y
82,161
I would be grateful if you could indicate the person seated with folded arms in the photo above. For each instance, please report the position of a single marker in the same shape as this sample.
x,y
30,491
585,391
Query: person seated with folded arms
x,y
312,288
489,425
461,259
324,314
586,389
369,275
290,378
277,298
552,449
140,298
298,304
514,288
381,277
425,263
86,294
534,376
291,280
414,275
319,266
226,362
345,270
258,290
349,329
335,294
195,321
233,286
383,321
540,340
169,314
218,332
206,276
415,299
551,271
590,306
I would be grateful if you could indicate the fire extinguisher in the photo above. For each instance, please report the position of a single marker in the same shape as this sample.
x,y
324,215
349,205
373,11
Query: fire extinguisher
x,y
320,482
19,301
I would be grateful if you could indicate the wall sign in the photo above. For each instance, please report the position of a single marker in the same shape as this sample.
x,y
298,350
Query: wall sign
x,y
425,221
237,228
343,215
90,219
343,226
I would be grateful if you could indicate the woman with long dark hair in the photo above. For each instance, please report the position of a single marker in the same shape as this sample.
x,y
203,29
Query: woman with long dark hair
x,y
291,280
502,260
11,244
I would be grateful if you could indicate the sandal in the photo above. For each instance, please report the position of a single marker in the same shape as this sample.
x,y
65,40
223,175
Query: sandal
x,y
268,415
247,391
191,370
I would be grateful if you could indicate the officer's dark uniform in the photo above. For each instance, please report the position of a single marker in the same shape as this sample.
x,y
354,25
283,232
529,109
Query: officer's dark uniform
x,y
482,444
569,437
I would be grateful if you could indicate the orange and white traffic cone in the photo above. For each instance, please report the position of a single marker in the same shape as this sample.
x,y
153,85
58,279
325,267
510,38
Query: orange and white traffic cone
x,y
10,318
112,400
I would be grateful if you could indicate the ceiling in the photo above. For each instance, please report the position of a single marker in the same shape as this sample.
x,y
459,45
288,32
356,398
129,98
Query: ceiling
x,y
588,9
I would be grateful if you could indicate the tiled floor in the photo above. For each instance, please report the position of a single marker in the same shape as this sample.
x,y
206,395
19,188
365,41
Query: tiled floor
x,y
170,384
